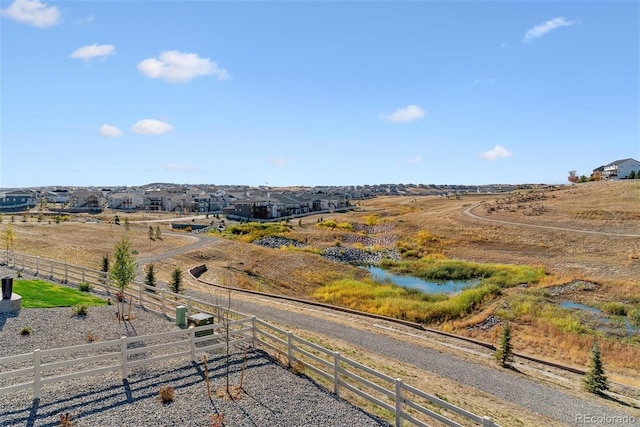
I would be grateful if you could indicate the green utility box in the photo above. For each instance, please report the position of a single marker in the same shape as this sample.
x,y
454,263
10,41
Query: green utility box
x,y
181,314
200,319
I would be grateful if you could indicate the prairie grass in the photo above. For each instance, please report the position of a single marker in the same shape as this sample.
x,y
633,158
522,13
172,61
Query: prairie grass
x,y
403,303
433,268
330,223
251,231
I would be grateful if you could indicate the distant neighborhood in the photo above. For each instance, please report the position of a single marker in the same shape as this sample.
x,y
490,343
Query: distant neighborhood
x,y
236,202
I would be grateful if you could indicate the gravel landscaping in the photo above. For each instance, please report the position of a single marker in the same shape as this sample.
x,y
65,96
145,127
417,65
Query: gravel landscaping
x,y
271,395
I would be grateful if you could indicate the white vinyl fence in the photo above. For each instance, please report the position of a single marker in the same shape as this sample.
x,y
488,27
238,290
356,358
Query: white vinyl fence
x,y
345,377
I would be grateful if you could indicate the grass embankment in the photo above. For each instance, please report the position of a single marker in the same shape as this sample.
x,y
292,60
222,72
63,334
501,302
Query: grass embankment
x,y
409,304
40,294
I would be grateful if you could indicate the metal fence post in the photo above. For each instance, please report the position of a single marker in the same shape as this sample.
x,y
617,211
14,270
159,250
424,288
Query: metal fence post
x,y
398,402
37,373
123,349
336,372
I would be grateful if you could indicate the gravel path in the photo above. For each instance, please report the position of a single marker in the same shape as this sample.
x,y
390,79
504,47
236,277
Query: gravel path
x,y
273,396
505,385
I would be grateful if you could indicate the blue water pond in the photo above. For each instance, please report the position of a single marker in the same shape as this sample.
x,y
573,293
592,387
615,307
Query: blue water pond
x,y
607,322
448,287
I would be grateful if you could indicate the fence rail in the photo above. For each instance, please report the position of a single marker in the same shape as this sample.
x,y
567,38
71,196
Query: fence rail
x,y
348,378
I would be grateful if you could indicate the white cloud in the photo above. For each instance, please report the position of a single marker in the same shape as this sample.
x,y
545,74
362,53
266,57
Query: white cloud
x,y
174,167
542,29
33,12
416,159
111,131
498,151
174,66
87,20
151,126
278,161
93,51
403,115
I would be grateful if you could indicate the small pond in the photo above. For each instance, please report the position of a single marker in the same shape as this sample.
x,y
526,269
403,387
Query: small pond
x,y
608,322
448,287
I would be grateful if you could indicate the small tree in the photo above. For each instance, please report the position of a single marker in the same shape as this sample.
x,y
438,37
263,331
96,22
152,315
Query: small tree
x,y
158,233
504,354
573,176
9,238
126,223
123,271
150,277
632,175
151,233
116,220
105,263
176,281
595,381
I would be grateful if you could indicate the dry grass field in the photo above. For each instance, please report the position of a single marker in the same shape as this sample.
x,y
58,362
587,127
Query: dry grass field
x,y
609,259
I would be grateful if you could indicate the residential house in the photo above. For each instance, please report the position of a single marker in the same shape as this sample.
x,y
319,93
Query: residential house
x,y
126,201
157,200
57,196
18,200
87,201
620,169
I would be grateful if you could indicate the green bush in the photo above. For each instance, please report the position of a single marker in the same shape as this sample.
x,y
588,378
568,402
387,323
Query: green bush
x,y
85,287
80,309
615,308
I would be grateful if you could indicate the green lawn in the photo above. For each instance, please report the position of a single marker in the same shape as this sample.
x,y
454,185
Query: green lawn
x,y
41,294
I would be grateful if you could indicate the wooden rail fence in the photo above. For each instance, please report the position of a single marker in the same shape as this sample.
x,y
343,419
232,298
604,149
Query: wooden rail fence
x,y
347,378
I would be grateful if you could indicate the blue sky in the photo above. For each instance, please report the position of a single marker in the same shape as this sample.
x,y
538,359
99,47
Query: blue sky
x,y
315,92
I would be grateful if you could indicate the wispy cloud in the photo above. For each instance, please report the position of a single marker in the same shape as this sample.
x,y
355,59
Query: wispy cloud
x,y
87,53
33,12
110,131
277,161
414,160
177,67
87,20
151,126
174,167
404,115
542,29
498,151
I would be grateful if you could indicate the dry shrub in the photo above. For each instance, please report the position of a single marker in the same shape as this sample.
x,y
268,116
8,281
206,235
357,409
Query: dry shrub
x,y
167,394
91,337
297,367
